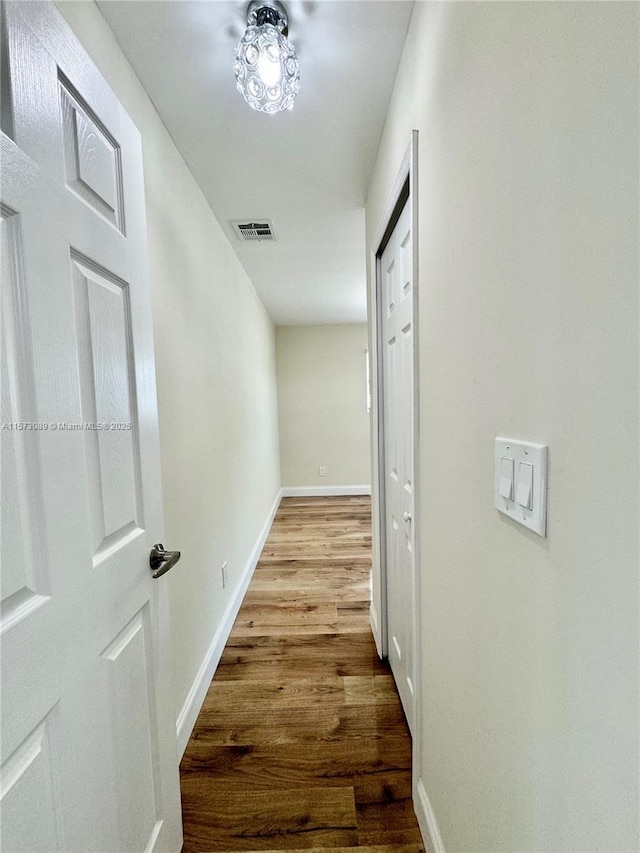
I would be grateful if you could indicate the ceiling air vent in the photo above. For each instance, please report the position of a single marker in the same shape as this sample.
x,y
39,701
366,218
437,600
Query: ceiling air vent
x,y
260,230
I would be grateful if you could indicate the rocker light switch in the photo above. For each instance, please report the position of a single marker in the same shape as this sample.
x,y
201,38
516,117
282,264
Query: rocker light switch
x,y
524,495
520,482
506,478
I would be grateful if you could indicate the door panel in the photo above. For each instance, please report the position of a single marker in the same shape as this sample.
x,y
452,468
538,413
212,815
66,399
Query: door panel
x,y
30,775
129,671
24,580
91,158
107,389
397,334
88,749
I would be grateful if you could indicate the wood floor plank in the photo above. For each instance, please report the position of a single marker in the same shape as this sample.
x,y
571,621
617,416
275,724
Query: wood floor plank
x,y
378,848
280,579
370,767
274,593
331,550
355,567
238,695
388,823
301,743
342,625
273,657
296,725
322,692
313,817
279,617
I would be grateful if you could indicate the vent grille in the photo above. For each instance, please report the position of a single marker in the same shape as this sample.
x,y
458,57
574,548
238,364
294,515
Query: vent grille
x,y
260,230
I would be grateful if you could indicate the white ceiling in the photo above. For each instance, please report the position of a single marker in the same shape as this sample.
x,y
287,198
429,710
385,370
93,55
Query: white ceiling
x,y
308,169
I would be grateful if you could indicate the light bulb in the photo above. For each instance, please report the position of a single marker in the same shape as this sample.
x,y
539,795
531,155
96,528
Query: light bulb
x,y
269,69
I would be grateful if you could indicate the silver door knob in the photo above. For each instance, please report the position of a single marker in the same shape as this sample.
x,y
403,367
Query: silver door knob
x,y
407,516
160,561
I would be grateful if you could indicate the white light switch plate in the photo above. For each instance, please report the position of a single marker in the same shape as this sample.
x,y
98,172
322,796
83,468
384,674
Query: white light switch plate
x,y
528,454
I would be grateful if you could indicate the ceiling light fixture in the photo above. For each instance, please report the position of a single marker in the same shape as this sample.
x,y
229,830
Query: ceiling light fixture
x,y
266,66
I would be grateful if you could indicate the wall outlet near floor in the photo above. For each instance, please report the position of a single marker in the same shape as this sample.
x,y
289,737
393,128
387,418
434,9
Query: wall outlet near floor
x,y
224,574
322,470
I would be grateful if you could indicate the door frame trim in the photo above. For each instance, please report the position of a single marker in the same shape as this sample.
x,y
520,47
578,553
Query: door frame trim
x,y
405,189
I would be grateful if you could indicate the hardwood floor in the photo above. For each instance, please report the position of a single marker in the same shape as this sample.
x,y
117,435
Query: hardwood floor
x,y
301,742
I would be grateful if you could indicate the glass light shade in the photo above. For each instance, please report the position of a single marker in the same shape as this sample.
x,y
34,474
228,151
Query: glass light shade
x,y
267,69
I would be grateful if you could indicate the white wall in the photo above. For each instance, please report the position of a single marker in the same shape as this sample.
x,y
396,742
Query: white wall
x,y
215,359
528,236
322,405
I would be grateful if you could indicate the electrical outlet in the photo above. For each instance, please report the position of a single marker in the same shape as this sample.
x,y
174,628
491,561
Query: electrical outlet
x,y
224,574
322,471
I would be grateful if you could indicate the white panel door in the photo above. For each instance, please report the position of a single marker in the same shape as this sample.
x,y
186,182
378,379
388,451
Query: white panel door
x,y
396,268
89,760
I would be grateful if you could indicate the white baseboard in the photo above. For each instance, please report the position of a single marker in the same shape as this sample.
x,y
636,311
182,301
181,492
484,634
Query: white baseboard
x,y
427,820
196,695
320,491
375,628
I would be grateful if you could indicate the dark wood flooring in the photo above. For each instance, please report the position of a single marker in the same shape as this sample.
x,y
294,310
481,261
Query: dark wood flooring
x,y
301,742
